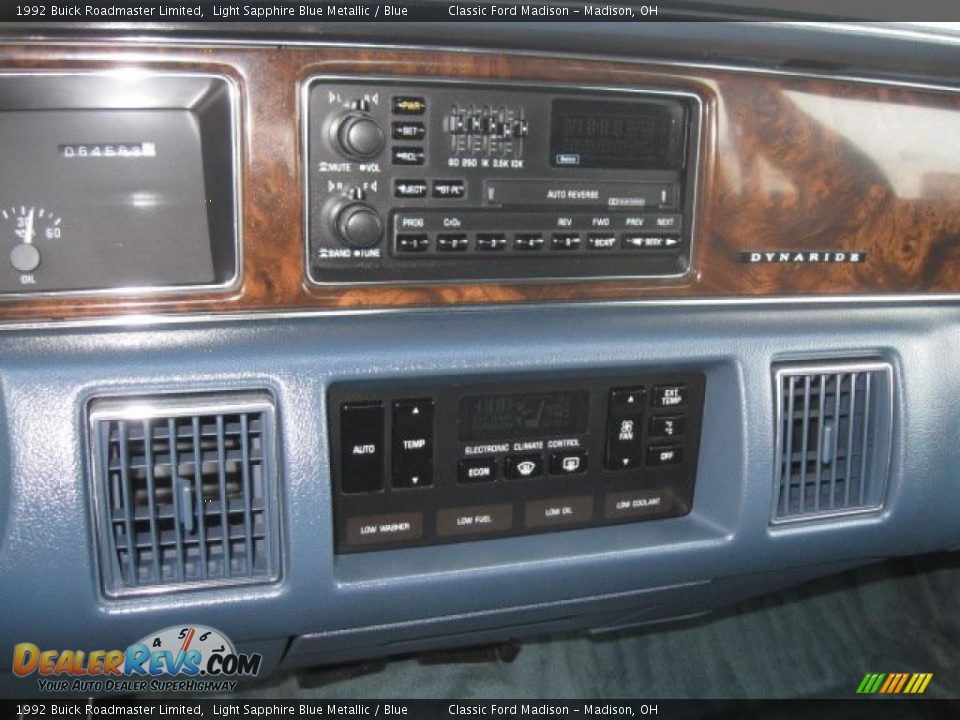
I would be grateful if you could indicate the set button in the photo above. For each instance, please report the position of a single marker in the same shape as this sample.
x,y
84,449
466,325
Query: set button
x,y
408,130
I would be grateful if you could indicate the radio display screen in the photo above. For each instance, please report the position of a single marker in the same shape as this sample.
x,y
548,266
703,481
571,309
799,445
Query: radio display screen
x,y
500,417
617,135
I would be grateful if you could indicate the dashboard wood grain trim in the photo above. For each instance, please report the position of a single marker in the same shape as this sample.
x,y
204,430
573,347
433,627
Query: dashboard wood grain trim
x,y
789,163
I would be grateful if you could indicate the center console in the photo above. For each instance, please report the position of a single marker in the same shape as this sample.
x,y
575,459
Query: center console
x,y
453,460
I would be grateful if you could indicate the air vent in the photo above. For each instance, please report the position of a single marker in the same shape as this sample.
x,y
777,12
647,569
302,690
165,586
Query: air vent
x,y
834,425
186,491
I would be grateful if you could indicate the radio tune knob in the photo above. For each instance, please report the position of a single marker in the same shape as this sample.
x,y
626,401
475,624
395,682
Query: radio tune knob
x,y
357,225
357,135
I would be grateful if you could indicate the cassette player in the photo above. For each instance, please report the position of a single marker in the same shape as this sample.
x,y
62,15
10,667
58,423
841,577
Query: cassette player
x,y
461,182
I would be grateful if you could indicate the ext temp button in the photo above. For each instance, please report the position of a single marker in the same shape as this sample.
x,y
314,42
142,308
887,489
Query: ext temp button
x,y
668,395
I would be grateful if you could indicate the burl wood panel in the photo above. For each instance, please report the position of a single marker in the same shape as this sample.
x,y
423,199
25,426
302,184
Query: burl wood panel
x,y
788,163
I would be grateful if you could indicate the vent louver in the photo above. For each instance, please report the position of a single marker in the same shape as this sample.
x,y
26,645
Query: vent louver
x,y
186,491
834,425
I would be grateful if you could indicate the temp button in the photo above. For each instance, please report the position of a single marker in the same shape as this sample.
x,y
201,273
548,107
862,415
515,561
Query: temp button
x,y
412,448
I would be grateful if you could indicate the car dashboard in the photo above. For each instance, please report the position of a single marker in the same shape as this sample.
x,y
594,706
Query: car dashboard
x,y
350,348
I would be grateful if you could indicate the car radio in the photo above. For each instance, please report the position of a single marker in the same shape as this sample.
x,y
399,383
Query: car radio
x,y
453,460
452,181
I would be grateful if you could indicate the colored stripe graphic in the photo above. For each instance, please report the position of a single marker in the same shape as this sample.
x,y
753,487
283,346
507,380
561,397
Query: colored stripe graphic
x,y
894,683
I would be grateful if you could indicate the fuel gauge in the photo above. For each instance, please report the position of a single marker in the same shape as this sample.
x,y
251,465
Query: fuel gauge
x,y
29,229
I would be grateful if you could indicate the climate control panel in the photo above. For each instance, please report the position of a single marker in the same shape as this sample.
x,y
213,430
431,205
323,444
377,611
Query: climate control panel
x,y
454,460
452,181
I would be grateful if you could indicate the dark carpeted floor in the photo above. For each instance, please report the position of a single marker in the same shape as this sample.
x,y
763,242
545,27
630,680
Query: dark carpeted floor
x,y
817,640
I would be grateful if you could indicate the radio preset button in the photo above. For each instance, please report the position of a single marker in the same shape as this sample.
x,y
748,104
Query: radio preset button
x,y
361,446
408,130
659,455
601,241
668,395
410,189
477,470
526,242
408,156
667,426
573,462
412,242
565,241
449,189
452,242
491,242
408,105
522,466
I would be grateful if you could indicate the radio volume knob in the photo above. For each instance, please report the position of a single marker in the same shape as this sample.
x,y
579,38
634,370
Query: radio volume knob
x,y
357,135
356,224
